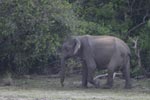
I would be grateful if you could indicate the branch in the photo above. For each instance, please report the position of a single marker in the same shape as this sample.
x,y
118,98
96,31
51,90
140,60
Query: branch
x,y
139,25
135,41
135,27
100,76
106,75
137,53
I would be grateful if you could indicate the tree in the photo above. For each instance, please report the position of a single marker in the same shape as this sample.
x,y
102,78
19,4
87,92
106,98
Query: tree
x,y
31,31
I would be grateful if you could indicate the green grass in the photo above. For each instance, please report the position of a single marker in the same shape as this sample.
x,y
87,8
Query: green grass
x,y
45,88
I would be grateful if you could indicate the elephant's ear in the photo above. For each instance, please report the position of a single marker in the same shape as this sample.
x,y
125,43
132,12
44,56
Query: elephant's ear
x,y
77,45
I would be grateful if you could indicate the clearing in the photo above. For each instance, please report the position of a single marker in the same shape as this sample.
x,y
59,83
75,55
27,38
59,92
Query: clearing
x,y
47,88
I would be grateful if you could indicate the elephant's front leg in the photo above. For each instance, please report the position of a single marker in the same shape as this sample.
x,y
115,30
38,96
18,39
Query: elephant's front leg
x,y
91,65
84,75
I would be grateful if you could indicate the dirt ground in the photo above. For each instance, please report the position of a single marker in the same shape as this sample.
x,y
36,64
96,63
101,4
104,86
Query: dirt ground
x,y
47,88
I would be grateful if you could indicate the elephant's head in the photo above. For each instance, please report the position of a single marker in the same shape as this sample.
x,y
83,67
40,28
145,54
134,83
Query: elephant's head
x,y
69,48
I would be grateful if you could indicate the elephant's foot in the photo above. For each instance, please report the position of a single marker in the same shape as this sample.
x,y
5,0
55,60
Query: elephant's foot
x,y
95,83
107,86
128,86
84,84
84,87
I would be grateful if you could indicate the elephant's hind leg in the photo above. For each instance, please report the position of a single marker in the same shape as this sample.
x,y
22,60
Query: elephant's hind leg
x,y
109,82
111,68
126,72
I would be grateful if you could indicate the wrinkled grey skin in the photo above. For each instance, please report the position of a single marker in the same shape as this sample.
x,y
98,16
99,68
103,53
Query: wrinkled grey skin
x,y
98,52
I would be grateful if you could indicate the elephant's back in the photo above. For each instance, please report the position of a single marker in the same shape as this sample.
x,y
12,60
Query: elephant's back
x,y
110,40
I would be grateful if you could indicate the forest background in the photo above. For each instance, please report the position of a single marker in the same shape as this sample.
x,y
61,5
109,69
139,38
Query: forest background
x,y
32,31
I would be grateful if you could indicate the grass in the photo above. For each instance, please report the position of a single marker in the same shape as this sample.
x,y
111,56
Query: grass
x,y
45,88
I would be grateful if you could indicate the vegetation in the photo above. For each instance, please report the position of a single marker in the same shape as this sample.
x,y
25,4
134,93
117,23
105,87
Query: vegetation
x,y
31,31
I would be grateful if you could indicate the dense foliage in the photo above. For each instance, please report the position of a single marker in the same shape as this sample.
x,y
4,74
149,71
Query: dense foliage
x,y
31,31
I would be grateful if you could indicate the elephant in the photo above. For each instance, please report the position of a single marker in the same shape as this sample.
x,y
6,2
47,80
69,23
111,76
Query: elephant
x,y
97,52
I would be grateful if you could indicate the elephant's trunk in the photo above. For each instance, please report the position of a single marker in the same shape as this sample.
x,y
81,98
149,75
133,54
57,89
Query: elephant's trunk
x,y
62,73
